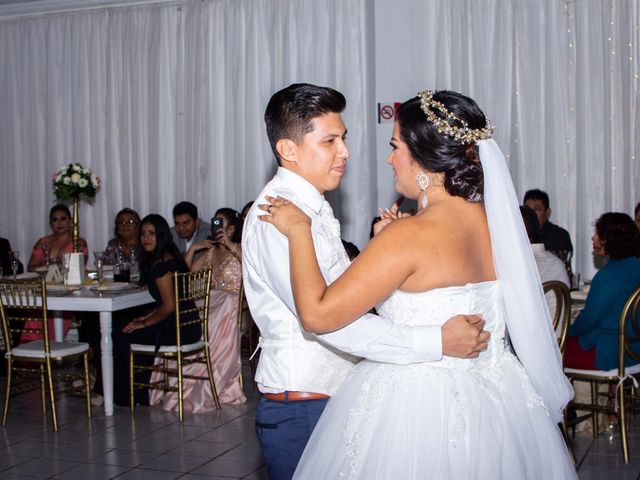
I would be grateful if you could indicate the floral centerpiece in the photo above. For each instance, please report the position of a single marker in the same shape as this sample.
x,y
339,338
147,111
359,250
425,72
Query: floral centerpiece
x,y
74,181
70,183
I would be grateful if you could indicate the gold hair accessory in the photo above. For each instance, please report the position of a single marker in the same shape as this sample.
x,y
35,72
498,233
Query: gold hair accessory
x,y
462,134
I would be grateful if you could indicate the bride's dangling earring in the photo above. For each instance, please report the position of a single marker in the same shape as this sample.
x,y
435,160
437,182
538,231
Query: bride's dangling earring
x,y
422,180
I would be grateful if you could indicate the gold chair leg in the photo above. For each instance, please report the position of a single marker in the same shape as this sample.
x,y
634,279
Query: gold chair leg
x,y
43,390
565,436
165,373
7,394
54,414
132,403
87,386
214,390
622,422
180,387
594,401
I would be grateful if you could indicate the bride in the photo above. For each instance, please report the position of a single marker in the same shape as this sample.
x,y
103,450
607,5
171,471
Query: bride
x,y
465,250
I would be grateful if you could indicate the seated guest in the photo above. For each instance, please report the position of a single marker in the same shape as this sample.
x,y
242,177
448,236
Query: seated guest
x,y
555,238
160,260
5,258
51,247
224,256
549,266
126,238
188,228
593,338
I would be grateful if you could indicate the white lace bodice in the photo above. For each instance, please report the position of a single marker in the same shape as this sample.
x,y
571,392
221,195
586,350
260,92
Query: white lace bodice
x,y
436,306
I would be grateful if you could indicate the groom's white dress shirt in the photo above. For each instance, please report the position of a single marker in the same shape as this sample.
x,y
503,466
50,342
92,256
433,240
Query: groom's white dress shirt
x,y
295,360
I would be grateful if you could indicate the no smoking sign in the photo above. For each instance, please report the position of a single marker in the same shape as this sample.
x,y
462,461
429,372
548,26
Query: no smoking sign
x,y
387,112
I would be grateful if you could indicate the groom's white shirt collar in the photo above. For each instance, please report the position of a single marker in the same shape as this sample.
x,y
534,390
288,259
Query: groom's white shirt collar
x,y
304,190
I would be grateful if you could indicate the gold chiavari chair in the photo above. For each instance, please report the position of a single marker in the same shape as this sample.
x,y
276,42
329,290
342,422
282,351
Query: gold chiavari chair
x,y
191,294
26,301
562,313
622,379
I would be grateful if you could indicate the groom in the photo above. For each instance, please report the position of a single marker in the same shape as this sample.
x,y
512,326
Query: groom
x,y
298,371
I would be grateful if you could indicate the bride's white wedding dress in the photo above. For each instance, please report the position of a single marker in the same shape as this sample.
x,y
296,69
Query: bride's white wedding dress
x,y
457,418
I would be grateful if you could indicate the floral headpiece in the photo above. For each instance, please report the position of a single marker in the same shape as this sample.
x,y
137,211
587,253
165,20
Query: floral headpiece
x,y
446,126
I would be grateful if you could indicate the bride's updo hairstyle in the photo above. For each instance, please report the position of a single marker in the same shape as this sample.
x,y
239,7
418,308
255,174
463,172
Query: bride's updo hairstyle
x,y
441,130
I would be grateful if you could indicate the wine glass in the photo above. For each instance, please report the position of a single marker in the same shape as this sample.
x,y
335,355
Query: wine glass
x,y
15,261
97,261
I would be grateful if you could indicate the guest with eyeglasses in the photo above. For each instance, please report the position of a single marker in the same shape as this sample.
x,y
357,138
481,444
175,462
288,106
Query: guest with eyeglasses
x,y
126,240
51,247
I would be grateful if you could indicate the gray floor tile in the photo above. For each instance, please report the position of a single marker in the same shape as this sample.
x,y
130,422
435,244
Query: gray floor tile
x,y
141,474
7,460
245,451
203,449
175,463
193,476
92,471
230,468
260,474
124,458
42,467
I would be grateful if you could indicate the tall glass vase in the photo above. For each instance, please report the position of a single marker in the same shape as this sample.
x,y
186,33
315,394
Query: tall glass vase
x,y
76,226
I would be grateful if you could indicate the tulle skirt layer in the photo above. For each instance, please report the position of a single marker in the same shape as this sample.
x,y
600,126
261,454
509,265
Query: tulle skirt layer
x,y
427,421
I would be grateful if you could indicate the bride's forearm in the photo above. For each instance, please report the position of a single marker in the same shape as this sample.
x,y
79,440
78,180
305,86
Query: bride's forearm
x,y
309,286
307,283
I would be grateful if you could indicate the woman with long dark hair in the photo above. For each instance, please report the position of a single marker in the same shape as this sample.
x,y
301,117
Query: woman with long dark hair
x,y
494,416
223,256
161,258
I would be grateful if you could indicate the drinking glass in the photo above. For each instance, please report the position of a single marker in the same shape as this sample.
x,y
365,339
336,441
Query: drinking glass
x,y
15,261
134,271
97,261
46,253
66,263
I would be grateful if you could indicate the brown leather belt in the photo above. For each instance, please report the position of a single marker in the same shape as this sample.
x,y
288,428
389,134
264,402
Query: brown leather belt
x,y
294,396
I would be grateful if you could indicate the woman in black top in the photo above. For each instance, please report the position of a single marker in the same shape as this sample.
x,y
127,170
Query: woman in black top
x,y
160,260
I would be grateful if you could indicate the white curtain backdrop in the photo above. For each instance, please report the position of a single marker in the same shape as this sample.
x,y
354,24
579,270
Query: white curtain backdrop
x,y
559,79
164,100
165,103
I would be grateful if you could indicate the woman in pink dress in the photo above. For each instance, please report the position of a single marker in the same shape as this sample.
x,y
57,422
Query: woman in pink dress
x,y
52,246
49,249
223,255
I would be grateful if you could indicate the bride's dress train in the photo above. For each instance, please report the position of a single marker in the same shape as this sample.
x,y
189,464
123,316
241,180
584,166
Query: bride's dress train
x,y
456,418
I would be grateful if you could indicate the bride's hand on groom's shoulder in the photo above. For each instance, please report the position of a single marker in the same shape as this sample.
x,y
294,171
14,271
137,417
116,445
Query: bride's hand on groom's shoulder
x,y
284,215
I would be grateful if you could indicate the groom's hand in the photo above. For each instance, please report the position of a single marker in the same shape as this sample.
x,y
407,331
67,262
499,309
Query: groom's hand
x,y
463,336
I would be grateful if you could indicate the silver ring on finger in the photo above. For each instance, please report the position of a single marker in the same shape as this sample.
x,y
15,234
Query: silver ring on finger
x,y
269,208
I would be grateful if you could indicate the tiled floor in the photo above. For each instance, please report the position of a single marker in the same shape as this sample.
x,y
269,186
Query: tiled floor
x,y
153,445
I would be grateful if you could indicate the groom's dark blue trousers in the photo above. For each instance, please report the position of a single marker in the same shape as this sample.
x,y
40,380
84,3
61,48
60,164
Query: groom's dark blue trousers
x,y
284,429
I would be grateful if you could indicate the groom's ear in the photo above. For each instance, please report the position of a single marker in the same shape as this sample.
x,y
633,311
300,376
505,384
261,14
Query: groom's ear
x,y
286,148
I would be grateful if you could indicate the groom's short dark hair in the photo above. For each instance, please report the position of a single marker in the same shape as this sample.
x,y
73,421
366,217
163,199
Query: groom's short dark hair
x,y
290,111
